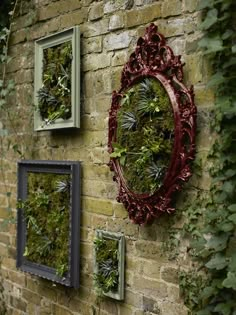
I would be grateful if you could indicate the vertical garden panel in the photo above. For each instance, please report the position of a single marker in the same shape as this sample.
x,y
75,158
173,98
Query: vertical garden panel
x,y
57,81
48,220
109,252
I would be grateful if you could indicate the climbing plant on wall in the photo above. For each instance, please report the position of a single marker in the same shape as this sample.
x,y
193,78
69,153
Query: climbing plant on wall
x,y
215,241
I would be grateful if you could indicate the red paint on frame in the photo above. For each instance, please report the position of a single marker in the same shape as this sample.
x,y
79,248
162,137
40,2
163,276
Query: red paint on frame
x,y
153,58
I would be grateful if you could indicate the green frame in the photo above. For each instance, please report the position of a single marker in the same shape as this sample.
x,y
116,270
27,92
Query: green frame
x,y
101,234
73,35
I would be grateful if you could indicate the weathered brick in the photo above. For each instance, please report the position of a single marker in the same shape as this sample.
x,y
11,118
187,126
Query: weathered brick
x,y
96,61
119,58
97,206
76,305
17,277
111,6
19,36
151,270
18,303
4,237
3,250
117,41
170,274
75,18
149,250
142,16
96,28
173,309
152,288
116,22
126,309
43,29
174,294
190,5
193,68
99,221
31,296
58,310
47,292
92,45
120,211
171,8
96,11
123,226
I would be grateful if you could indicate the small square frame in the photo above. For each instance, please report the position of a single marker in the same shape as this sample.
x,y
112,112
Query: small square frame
x,y
119,295
25,167
73,35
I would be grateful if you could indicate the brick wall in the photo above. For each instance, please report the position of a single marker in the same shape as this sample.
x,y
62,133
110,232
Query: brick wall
x,y
109,32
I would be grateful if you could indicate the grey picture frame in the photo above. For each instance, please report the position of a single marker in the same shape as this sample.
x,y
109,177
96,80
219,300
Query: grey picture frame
x,y
73,35
119,294
72,168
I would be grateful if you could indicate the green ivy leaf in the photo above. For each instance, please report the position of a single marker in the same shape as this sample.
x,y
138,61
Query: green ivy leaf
x,y
228,33
210,19
232,208
211,44
203,4
232,218
230,281
216,79
218,262
228,187
217,243
232,263
223,308
234,49
226,226
208,292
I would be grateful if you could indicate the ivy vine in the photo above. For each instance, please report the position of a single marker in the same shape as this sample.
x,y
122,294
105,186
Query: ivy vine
x,y
213,290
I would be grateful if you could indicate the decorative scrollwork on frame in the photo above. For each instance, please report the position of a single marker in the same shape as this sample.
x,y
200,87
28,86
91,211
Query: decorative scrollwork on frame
x,y
152,65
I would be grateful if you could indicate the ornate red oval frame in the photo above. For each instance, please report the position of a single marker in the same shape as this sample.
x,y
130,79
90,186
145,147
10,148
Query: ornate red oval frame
x,y
153,58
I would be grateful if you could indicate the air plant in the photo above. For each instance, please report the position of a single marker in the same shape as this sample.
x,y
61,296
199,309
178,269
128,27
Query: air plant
x,y
63,186
45,98
156,171
148,100
129,121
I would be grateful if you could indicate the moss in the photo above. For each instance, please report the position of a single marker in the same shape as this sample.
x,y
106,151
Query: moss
x,y
54,98
47,214
145,130
107,276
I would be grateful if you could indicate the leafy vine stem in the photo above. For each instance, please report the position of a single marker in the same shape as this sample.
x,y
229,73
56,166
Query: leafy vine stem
x,y
213,290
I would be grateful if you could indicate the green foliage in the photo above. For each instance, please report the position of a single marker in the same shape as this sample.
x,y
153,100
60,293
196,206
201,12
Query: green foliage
x,y
3,307
191,286
5,7
144,135
54,98
214,242
46,212
107,276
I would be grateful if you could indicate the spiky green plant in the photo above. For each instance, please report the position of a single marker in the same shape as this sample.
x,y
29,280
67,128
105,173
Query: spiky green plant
x,y
63,186
148,99
156,171
129,121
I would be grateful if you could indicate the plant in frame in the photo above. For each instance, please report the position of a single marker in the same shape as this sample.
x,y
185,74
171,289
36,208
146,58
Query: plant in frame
x,y
48,220
54,97
109,264
46,215
152,124
144,135
57,79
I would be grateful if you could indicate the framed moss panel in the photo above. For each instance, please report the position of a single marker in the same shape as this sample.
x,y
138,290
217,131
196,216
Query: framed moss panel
x,y
48,220
152,129
109,260
57,81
